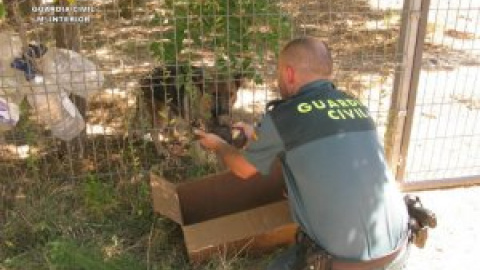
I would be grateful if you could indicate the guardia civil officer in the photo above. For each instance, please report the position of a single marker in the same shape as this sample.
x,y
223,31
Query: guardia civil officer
x,y
347,206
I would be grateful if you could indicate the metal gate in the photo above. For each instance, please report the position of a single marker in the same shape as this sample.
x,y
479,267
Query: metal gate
x,y
434,130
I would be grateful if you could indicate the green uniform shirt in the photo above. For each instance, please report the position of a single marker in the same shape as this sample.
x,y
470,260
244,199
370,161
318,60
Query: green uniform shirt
x,y
339,188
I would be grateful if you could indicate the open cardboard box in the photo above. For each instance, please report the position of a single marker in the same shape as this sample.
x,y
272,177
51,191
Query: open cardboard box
x,y
222,214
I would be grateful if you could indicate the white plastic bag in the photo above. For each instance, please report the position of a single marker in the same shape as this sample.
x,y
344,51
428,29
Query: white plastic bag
x,y
62,72
9,114
54,108
72,72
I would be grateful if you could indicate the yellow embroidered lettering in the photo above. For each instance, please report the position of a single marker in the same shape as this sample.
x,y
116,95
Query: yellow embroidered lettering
x,y
361,113
342,103
332,104
352,103
319,104
349,113
332,115
304,108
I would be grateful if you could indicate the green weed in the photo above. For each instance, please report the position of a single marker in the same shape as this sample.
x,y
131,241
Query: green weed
x,y
3,12
99,197
69,255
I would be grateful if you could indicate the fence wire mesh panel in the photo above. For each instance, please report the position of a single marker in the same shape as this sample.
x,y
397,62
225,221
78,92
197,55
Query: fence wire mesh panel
x,y
445,134
223,49
115,90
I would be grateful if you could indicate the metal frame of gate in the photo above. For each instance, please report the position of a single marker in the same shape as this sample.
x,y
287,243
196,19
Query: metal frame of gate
x,y
404,98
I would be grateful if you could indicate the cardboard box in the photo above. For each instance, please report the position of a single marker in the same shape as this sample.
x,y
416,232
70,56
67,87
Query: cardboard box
x,y
224,215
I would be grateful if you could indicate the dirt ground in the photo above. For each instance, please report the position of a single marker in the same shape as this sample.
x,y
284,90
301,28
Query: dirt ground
x,y
454,243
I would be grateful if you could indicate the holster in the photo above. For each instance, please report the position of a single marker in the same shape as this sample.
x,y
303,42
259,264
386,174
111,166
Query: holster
x,y
420,219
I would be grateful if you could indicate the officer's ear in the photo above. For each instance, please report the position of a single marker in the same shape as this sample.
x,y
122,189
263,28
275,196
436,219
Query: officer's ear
x,y
290,74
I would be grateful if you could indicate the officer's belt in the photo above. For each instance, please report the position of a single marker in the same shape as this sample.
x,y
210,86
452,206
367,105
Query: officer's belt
x,y
383,261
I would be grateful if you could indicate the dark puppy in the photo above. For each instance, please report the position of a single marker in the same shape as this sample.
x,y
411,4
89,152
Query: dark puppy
x,y
164,93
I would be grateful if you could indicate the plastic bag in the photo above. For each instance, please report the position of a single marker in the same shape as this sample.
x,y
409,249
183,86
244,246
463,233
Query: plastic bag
x,y
54,108
9,114
73,72
62,72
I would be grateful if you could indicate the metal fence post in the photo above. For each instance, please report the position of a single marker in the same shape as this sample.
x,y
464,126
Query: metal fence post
x,y
412,36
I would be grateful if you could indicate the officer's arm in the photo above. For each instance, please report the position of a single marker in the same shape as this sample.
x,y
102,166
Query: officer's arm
x,y
231,157
235,161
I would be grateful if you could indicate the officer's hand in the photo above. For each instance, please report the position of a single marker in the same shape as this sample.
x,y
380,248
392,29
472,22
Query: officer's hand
x,y
247,129
209,140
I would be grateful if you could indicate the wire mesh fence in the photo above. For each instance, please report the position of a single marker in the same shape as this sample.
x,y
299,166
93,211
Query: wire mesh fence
x,y
221,42
445,133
